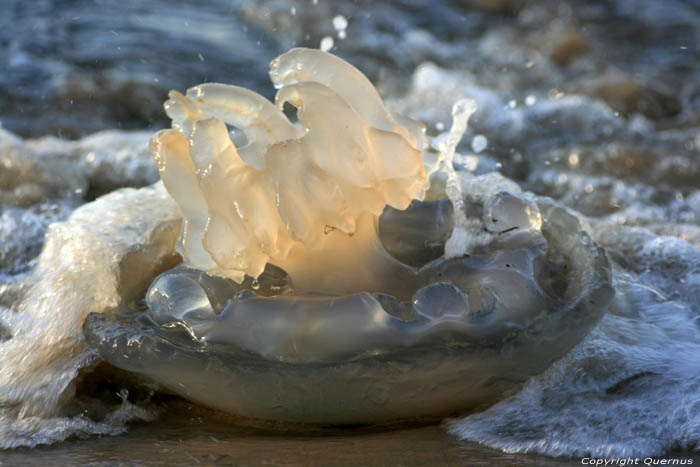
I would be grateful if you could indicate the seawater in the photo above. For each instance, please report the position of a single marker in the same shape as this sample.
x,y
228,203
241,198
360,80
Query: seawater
x,y
595,104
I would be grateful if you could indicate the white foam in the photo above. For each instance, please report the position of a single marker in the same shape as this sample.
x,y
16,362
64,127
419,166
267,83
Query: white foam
x,y
632,387
76,274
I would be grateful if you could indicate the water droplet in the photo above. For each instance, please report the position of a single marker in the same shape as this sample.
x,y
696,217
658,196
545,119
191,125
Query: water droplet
x,y
479,143
340,23
530,100
326,43
255,285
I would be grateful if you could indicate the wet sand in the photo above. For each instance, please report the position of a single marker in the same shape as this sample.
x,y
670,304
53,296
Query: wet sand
x,y
188,435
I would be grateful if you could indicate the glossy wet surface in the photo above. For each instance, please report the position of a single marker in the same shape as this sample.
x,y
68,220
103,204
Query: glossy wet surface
x,y
190,435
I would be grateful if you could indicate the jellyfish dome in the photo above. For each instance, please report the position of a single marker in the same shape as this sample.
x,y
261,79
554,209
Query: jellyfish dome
x,y
338,270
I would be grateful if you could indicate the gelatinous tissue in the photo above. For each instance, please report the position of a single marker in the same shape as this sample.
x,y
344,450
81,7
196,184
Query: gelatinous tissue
x,y
320,286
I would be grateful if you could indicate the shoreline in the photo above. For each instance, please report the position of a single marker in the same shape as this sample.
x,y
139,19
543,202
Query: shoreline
x,y
186,434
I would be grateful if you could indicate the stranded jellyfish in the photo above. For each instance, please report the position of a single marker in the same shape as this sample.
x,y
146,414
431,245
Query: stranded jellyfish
x,y
314,286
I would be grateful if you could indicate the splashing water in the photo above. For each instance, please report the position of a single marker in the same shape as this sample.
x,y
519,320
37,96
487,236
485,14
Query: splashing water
x,y
326,43
631,386
458,243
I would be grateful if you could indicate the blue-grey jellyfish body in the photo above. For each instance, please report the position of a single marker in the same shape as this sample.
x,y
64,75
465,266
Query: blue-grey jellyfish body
x,y
475,328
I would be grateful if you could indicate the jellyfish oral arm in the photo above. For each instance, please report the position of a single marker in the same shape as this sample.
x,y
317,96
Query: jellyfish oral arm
x,y
349,263
303,196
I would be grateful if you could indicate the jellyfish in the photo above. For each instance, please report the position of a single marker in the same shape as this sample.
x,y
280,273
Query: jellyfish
x,y
315,286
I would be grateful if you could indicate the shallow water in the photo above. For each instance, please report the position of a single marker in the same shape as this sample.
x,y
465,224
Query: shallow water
x,y
595,104
190,435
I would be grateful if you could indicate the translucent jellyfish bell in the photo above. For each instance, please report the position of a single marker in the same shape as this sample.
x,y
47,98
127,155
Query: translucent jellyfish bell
x,y
478,329
506,212
315,288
